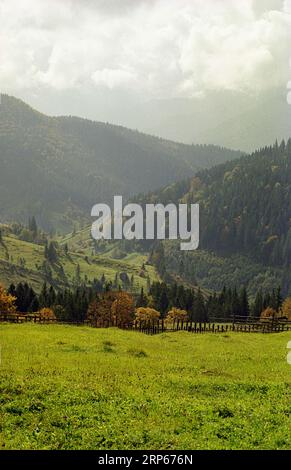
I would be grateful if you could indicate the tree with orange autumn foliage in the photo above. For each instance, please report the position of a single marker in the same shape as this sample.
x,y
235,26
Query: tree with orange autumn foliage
x,y
269,313
111,308
286,309
47,314
122,308
7,304
99,311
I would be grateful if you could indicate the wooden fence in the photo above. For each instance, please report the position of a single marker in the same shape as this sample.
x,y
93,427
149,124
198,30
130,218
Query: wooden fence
x,y
237,324
19,317
213,327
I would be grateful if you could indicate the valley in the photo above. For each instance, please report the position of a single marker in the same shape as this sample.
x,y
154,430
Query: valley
x,y
57,168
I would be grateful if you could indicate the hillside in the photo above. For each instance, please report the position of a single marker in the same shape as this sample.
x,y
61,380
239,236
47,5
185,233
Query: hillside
x,y
245,224
56,168
22,261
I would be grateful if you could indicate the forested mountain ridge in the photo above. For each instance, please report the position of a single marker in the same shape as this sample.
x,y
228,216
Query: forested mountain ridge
x,y
58,167
245,222
244,205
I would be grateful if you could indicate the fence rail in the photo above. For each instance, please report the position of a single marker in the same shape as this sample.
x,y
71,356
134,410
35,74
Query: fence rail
x,y
217,325
19,317
212,327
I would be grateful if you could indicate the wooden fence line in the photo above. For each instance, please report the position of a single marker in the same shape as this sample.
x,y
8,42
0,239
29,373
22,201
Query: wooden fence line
x,y
160,326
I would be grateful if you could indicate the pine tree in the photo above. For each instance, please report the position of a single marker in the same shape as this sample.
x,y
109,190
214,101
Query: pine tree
x,y
258,305
78,274
50,252
141,301
43,297
199,312
244,303
32,226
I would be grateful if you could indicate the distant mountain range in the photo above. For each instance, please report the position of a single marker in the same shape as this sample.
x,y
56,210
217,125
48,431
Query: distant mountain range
x,y
56,168
229,119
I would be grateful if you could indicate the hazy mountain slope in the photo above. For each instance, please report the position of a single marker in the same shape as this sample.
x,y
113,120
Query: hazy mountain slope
x,y
227,118
57,168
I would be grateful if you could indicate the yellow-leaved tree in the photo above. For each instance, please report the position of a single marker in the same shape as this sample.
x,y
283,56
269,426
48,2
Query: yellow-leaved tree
x,y
269,313
47,314
176,314
145,314
7,301
286,308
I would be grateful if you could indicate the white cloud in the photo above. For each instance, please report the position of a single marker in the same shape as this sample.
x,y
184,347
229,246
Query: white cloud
x,y
114,78
159,48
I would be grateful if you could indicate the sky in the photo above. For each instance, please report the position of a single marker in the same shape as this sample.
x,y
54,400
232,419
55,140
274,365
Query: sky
x,y
114,60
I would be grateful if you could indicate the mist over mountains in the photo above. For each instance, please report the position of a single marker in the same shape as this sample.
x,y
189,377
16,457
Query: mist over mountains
x,y
229,119
58,167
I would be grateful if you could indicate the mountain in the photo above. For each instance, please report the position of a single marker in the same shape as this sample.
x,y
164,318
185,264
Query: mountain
x,y
245,222
228,118
56,168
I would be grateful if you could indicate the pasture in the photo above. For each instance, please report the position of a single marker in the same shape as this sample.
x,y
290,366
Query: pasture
x,y
68,387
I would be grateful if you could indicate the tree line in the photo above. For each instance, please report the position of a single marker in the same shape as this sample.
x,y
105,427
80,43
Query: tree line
x,y
163,301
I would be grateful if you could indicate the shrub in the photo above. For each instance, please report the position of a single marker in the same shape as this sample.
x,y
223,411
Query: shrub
x,y
144,314
268,313
176,314
47,314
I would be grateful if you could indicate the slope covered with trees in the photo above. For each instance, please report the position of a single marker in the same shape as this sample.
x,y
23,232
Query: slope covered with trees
x,y
58,167
245,206
245,222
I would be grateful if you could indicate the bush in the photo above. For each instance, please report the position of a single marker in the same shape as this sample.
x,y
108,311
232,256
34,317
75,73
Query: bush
x,y
144,314
176,314
47,314
269,313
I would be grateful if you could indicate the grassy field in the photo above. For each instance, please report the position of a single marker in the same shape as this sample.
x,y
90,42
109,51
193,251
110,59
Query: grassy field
x,y
65,387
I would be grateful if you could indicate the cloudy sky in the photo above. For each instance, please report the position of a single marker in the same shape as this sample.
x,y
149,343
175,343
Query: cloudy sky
x,y
112,59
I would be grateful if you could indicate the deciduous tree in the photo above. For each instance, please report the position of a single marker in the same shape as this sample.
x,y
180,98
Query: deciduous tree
x,y
7,301
286,308
146,314
122,308
176,314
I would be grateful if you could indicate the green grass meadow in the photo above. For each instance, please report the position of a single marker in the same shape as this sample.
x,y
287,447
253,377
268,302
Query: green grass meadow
x,y
68,387
93,266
